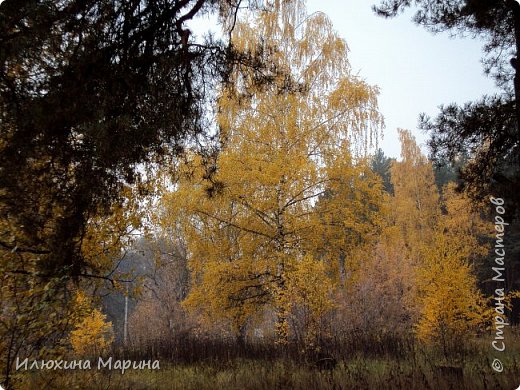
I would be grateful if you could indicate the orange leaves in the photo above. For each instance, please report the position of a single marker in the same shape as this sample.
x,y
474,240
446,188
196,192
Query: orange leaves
x,y
450,302
416,202
441,237
309,285
259,242
92,334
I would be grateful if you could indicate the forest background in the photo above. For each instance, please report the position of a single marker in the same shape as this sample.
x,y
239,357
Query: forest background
x,y
222,205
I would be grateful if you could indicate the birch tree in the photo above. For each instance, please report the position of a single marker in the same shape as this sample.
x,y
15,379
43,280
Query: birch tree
x,y
250,219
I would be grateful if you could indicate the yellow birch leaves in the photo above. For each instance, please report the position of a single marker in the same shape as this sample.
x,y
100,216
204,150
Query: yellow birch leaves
x,y
92,334
440,234
284,217
291,157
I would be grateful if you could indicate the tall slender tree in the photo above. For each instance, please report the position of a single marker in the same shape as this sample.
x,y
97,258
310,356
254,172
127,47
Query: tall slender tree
x,y
251,223
441,236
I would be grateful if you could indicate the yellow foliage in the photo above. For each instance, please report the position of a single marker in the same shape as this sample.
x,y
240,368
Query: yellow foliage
x,y
309,287
252,222
441,240
451,304
92,334
416,207
106,235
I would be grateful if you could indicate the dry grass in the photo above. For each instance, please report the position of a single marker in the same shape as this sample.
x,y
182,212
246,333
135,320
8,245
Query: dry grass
x,y
418,368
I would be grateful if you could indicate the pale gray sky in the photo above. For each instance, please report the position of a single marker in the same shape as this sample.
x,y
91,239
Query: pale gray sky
x,y
415,70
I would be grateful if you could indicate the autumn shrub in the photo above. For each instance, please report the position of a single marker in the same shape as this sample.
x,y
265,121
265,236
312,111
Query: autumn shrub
x,y
379,301
92,334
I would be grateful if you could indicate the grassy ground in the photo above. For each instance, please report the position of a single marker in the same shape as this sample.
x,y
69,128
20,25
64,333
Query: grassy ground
x,y
411,368
257,374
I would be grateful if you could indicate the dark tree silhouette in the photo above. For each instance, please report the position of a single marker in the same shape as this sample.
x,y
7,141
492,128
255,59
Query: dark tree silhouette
x,y
91,94
381,164
89,91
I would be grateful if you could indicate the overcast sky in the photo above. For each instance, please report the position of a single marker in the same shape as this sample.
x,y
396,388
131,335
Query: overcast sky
x,y
415,70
